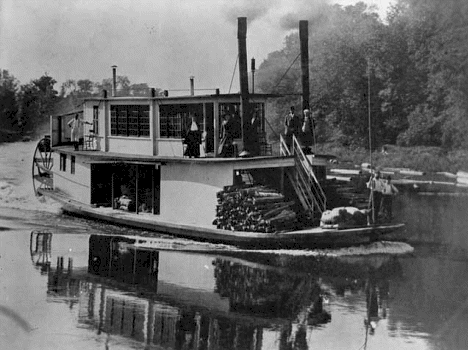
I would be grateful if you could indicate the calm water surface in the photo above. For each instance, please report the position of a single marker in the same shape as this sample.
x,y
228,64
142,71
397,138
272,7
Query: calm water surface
x,y
64,287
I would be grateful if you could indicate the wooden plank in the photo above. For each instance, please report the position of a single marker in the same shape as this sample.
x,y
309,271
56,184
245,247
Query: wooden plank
x,y
345,171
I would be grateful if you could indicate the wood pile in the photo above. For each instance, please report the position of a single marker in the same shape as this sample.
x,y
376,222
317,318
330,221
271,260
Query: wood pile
x,y
254,209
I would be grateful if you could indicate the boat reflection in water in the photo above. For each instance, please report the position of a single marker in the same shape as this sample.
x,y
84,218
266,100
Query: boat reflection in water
x,y
243,301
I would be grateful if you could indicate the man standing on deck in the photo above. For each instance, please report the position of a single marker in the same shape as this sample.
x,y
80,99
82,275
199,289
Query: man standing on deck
x,y
376,186
292,126
75,125
388,191
251,139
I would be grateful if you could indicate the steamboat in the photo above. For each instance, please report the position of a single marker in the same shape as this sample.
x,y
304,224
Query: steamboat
x,y
131,168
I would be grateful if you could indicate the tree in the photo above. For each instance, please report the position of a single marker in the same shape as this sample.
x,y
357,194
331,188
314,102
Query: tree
x,y
105,85
345,51
85,87
37,102
8,102
141,89
123,85
68,87
436,36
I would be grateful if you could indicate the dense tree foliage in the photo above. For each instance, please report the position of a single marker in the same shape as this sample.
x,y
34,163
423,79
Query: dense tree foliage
x,y
37,101
8,103
414,65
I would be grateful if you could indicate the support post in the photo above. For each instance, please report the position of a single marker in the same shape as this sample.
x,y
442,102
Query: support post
x,y
243,76
304,42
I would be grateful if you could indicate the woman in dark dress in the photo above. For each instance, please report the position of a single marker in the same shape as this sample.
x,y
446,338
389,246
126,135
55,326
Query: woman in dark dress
x,y
193,139
251,140
226,147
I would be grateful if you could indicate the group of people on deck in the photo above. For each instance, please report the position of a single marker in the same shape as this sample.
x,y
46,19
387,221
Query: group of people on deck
x,y
382,192
231,129
301,128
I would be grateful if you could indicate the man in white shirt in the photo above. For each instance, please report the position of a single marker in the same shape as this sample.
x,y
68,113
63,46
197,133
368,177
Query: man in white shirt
x,y
75,125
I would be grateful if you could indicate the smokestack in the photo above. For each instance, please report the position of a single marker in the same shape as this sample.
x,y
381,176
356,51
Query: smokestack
x,y
242,47
114,80
243,77
192,86
304,39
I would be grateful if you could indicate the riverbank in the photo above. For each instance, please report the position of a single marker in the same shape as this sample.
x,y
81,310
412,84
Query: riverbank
x,y
424,159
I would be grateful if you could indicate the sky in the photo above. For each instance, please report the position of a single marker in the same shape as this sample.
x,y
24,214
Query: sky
x,y
159,42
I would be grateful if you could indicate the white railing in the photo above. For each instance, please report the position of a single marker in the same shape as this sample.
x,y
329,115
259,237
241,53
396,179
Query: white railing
x,y
284,149
304,180
304,167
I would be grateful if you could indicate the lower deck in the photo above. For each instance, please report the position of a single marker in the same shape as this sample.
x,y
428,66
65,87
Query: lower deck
x,y
316,237
175,189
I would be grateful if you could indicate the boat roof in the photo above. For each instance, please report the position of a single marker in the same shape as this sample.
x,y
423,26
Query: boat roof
x,y
75,111
185,97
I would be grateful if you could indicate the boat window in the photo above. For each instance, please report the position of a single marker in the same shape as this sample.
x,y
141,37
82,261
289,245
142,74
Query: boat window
x,y
96,119
175,119
234,109
130,120
63,162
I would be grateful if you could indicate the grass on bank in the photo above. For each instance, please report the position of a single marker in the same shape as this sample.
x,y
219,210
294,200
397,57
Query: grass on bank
x,y
426,159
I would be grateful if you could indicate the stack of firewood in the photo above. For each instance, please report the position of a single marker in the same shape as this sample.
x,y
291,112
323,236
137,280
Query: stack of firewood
x,y
254,209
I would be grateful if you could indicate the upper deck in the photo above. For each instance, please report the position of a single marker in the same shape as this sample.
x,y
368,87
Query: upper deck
x,y
155,125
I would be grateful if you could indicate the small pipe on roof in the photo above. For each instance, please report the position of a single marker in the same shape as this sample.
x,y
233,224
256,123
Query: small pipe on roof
x,y
192,86
114,80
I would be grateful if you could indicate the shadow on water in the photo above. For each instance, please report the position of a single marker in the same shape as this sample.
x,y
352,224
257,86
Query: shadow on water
x,y
235,301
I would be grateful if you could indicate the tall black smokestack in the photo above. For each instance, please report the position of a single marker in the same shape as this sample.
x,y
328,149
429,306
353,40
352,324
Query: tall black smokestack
x,y
304,39
243,76
241,38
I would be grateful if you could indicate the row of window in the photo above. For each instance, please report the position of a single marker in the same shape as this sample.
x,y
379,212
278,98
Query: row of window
x,y
174,120
134,120
63,163
130,120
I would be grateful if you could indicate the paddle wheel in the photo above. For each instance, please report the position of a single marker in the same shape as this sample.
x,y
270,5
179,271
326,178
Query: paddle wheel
x,y
42,165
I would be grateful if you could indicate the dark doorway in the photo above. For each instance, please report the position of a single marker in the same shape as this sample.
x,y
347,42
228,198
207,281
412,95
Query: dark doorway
x,y
156,190
209,143
101,184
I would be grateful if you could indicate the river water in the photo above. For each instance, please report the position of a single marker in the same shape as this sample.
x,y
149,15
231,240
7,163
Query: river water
x,y
58,289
